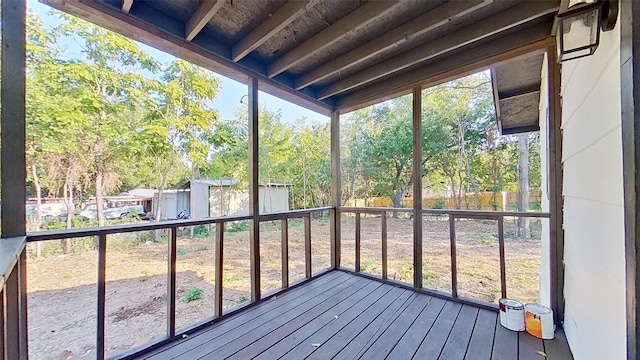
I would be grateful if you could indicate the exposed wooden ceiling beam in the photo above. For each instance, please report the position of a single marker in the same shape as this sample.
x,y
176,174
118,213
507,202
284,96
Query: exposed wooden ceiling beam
x,y
496,97
418,26
126,6
278,21
514,16
533,39
363,15
201,17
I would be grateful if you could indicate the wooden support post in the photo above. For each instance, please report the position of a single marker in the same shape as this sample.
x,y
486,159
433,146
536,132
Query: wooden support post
x,y
357,242
12,97
630,94
555,188
3,314
383,219
254,201
22,299
12,316
102,258
336,195
417,187
503,266
217,302
284,238
454,261
171,283
307,246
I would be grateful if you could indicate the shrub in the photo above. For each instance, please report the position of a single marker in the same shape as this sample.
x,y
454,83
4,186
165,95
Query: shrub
x,y
200,231
243,298
238,226
193,294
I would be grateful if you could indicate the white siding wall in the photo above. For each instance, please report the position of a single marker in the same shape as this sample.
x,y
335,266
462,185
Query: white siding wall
x,y
593,203
545,276
199,200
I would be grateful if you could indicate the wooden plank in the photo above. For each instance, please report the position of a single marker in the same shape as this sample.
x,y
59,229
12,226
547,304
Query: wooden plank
x,y
201,17
126,6
320,329
417,186
284,245
454,262
100,317
556,200
11,315
558,348
437,336
12,122
334,215
290,299
22,293
411,340
229,342
276,22
253,344
379,349
307,246
3,339
460,336
219,266
505,344
355,20
372,330
384,235
481,342
254,198
503,266
424,23
468,61
528,347
359,330
357,241
479,30
171,282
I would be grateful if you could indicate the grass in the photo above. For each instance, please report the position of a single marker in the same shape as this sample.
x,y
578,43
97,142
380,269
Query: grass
x,y
181,251
193,294
202,248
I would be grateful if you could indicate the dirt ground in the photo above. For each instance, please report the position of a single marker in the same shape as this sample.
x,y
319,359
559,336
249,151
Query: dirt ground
x,y
62,288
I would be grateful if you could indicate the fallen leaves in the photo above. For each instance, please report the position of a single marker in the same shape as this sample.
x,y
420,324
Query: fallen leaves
x,y
316,344
541,353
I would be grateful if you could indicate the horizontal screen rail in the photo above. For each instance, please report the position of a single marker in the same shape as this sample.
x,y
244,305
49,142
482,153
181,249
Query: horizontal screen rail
x,y
128,228
457,213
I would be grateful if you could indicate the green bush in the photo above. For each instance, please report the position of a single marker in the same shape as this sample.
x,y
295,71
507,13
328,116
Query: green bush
x,y
181,251
238,226
243,298
193,294
200,231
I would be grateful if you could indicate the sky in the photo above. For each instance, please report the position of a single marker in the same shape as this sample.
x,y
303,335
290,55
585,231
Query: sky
x,y
231,91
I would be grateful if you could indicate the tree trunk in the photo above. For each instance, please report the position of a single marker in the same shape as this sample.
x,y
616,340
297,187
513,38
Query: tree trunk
x,y
68,201
36,183
99,204
523,184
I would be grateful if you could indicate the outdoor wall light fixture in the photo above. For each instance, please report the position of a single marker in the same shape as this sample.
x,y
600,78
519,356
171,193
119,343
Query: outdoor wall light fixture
x,y
579,25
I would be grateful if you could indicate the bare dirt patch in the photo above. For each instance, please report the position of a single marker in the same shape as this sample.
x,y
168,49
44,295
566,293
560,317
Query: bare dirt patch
x,y
62,289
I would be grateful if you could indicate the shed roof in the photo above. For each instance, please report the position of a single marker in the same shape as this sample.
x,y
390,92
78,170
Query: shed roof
x,y
331,54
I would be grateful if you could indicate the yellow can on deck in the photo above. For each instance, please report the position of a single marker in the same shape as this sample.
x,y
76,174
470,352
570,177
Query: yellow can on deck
x,y
539,321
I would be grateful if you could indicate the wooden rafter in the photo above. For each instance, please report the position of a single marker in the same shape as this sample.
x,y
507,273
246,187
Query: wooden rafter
x,y
356,19
492,25
418,26
201,17
126,6
278,21
535,38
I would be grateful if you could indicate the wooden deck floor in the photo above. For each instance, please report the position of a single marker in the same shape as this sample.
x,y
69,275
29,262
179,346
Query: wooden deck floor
x,y
344,316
